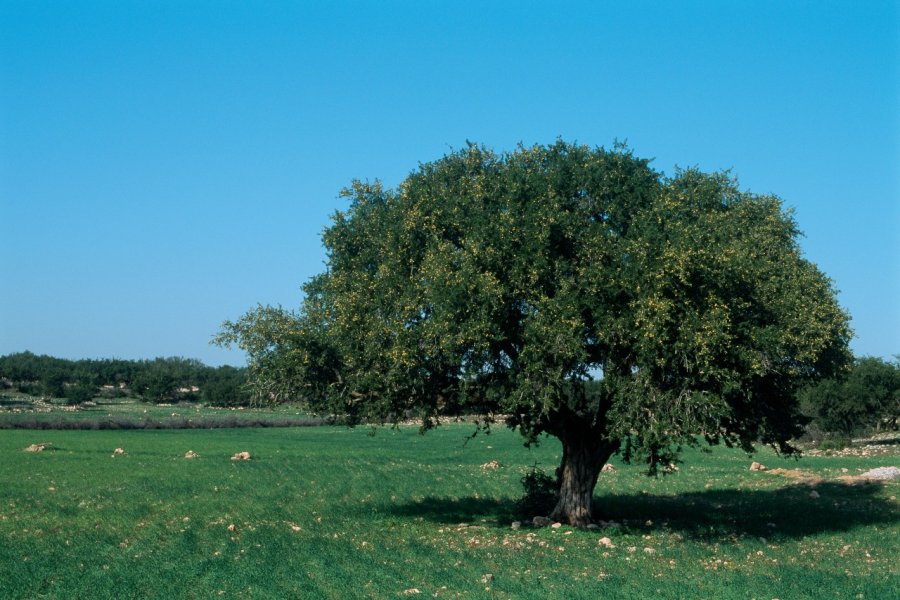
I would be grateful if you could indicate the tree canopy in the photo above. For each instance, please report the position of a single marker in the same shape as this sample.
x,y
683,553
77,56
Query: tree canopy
x,y
867,398
566,290
157,380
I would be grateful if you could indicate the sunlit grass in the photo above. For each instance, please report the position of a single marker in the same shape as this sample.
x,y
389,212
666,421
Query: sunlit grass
x,y
336,513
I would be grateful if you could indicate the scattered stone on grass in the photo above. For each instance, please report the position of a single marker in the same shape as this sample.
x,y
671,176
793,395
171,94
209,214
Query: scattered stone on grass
x,y
608,524
801,476
540,521
880,445
37,447
118,452
192,454
607,468
487,578
556,525
605,541
883,474
814,495
516,525
412,591
491,465
241,456
755,466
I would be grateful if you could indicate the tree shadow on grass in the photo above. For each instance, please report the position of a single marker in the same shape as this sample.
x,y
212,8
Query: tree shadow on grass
x,y
784,513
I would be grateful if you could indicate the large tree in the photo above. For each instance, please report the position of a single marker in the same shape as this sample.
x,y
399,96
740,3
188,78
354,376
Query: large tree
x,y
568,290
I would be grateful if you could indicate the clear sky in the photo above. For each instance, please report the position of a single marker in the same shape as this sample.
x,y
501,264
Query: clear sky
x,y
167,165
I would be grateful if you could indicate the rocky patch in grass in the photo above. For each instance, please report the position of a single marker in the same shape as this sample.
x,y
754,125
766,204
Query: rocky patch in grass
x,y
37,447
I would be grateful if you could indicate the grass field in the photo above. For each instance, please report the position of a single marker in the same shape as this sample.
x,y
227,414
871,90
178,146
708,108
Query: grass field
x,y
328,512
129,413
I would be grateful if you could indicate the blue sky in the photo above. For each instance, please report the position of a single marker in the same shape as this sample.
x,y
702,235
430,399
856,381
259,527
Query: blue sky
x,y
167,165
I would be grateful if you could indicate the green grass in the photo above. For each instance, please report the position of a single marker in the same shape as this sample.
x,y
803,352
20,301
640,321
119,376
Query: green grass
x,y
16,407
329,512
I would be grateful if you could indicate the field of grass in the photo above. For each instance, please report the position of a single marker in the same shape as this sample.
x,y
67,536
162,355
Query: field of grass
x,y
328,512
17,410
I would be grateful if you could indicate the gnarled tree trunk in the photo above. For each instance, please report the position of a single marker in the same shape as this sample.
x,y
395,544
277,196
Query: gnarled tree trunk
x,y
583,457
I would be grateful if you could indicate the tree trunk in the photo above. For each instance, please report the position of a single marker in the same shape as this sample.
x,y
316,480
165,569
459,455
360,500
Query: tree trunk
x,y
583,457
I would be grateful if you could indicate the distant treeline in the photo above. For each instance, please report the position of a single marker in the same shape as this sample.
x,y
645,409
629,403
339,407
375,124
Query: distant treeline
x,y
865,399
157,380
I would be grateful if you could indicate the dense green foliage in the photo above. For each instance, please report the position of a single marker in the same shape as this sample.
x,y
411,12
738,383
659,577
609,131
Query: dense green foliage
x,y
501,284
158,380
867,398
334,513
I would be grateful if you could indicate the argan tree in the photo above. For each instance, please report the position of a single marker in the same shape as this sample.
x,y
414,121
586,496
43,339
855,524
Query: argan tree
x,y
568,291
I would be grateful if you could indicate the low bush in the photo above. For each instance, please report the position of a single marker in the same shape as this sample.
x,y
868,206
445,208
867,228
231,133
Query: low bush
x,y
540,493
835,443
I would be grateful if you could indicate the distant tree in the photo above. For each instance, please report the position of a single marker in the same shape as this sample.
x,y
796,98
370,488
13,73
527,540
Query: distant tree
x,y
161,379
80,393
226,386
156,380
84,387
53,383
155,383
19,367
33,374
867,398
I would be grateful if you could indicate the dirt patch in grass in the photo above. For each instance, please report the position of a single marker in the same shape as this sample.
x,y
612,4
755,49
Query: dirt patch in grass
x,y
799,476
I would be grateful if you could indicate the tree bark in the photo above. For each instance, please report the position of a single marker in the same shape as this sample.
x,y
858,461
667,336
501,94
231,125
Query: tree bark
x,y
583,457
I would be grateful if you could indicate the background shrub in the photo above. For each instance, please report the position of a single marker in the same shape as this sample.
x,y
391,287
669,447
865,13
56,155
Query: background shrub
x,y
540,493
866,400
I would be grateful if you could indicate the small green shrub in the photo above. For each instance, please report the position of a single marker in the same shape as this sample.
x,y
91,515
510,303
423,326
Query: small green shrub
x,y
540,493
835,443
80,393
